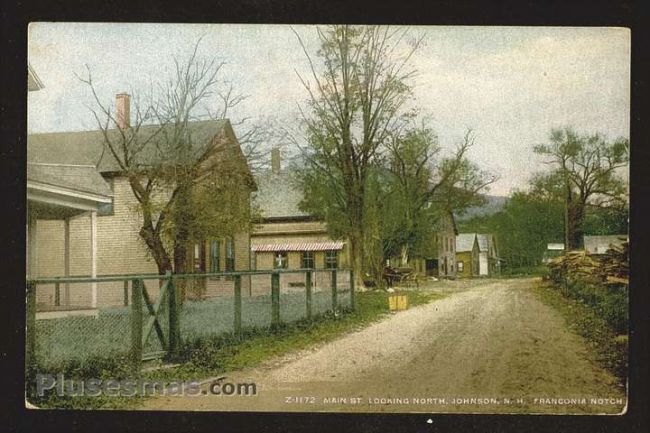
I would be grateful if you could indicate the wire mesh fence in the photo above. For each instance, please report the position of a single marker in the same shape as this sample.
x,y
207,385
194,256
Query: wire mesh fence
x,y
140,317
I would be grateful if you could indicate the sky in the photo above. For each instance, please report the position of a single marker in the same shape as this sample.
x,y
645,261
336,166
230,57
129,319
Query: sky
x,y
510,85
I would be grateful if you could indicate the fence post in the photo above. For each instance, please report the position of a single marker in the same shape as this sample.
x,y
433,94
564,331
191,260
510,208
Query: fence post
x,y
126,293
237,324
334,291
308,291
57,294
136,323
174,316
352,300
275,299
30,331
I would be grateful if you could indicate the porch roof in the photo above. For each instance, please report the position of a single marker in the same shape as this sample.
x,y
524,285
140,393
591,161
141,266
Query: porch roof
x,y
62,191
300,246
79,178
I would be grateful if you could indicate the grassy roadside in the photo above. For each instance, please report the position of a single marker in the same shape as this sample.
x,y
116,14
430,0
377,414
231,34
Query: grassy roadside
x,y
607,349
525,272
213,356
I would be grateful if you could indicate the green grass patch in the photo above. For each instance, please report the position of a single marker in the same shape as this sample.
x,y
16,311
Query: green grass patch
x,y
210,355
607,348
525,272
215,355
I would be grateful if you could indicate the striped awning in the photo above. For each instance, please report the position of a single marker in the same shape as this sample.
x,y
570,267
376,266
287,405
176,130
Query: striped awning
x,y
299,246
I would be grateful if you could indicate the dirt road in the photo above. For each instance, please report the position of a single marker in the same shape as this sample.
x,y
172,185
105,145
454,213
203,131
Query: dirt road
x,y
492,348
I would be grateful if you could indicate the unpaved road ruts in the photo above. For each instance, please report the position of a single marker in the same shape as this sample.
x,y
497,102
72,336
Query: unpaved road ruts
x,y
495,343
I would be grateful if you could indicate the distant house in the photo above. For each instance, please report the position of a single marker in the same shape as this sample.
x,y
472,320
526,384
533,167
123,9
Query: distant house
x,y
439,260
287,237
600,244
84,220
489,263
467,255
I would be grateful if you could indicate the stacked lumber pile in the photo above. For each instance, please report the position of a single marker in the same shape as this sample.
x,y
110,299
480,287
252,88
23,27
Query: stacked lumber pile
x,y
613,267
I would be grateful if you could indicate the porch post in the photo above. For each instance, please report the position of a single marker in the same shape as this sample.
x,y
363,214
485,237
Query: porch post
x,y
32,247
93,256
66,259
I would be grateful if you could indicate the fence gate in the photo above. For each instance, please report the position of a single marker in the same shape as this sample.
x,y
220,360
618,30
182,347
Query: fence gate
x,y
147,316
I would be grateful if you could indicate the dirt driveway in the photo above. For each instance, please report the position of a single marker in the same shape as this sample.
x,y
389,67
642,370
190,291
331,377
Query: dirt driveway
x,y
491,348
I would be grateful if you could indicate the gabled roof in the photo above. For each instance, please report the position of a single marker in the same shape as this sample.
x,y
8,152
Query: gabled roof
x,y
483,242
446,220
278,195
465,242
87,147
84,178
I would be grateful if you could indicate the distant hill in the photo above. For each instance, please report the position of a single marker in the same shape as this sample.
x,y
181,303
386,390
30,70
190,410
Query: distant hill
x,y
494,203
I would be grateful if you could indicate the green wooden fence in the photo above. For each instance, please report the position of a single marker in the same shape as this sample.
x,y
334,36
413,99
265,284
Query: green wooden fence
x,y
146,315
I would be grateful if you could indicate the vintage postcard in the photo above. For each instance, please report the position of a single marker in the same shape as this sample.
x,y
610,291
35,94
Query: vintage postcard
x,y
315,218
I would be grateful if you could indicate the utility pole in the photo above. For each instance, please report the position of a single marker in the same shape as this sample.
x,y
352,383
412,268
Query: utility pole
x,y
567,196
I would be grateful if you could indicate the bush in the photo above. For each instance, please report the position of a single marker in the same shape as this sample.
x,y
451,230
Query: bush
x,y
609,301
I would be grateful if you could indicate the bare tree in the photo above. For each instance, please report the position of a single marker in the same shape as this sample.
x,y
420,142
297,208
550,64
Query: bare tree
x,y
176,171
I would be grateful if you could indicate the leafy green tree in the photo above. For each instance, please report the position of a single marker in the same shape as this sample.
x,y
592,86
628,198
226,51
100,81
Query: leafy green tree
x,y
584,175
422,186
523,227
356,102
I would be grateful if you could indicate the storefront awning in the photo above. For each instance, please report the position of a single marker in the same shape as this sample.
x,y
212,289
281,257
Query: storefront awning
x,y
299,246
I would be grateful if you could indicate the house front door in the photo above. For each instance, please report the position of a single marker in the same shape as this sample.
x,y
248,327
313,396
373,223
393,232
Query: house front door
x,y
431,267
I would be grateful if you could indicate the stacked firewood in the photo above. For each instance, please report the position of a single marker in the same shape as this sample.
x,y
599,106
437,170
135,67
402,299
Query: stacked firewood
x,y
613,267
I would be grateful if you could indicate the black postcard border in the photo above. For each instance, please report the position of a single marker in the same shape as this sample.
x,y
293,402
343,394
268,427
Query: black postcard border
x,y
15,18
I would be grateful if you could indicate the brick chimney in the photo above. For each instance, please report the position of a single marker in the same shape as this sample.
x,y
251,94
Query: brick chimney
x,y
123,110
275,160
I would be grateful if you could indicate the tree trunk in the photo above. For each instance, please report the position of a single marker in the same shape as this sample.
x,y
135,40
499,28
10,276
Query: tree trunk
x,y
148,232
157,249
180,267
575,231
405,255
356,257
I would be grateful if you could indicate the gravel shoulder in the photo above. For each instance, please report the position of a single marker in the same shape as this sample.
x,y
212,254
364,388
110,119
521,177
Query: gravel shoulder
x,y
491,347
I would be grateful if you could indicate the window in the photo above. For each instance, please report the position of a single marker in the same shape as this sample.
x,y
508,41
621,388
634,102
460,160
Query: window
x,y
230,255
281,260
460,266
308,260
331,259
215,256
197,258
107,209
